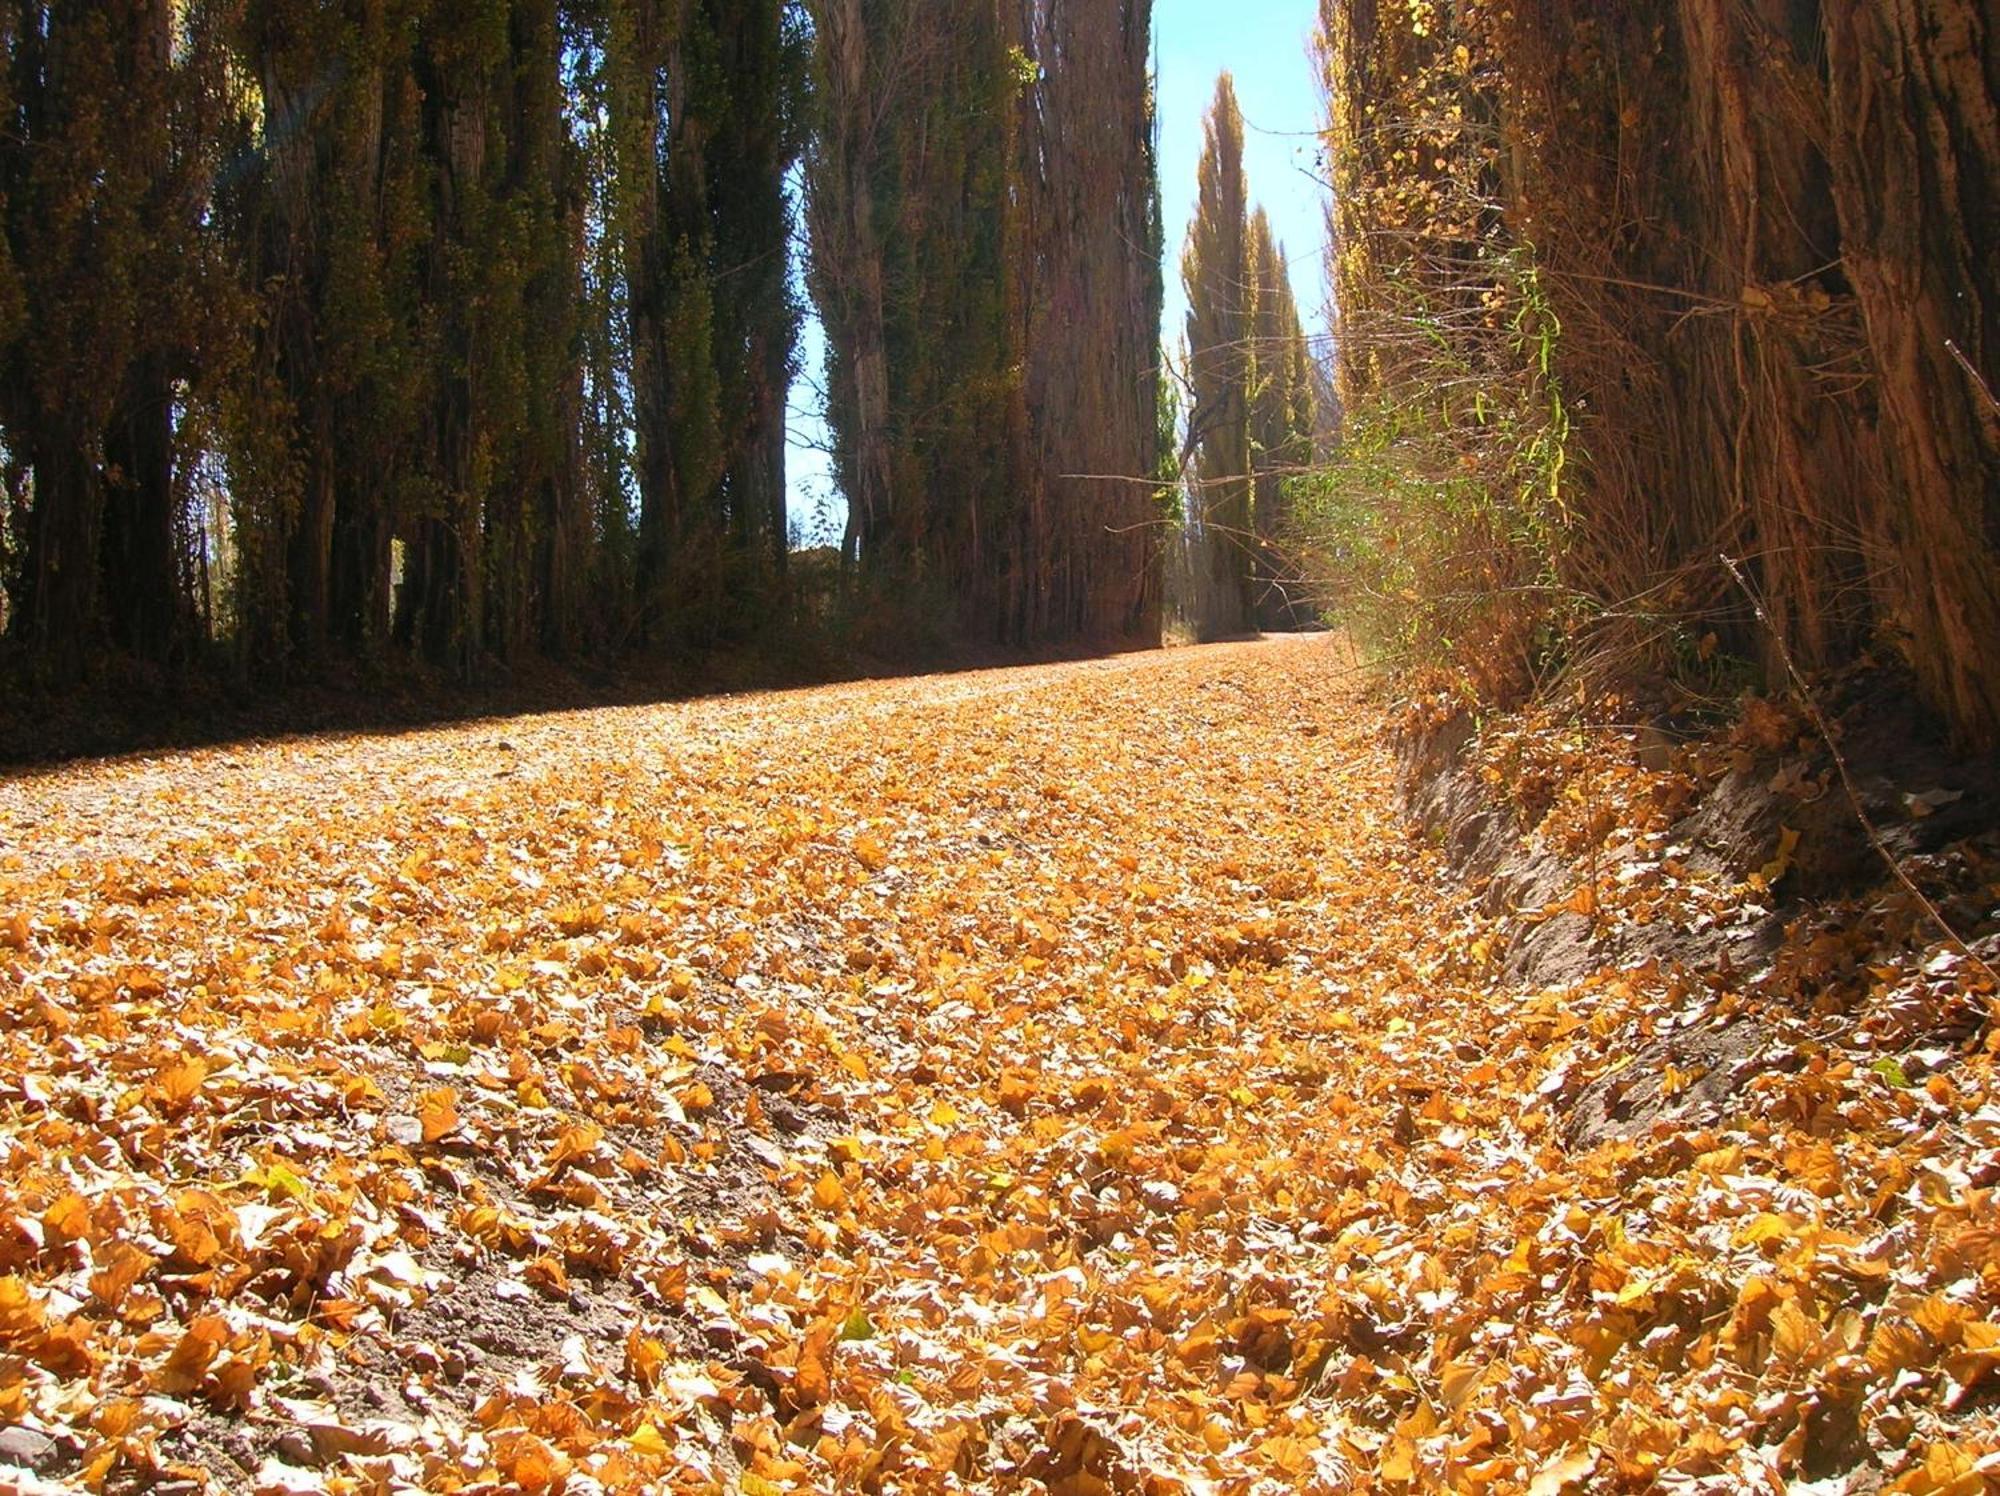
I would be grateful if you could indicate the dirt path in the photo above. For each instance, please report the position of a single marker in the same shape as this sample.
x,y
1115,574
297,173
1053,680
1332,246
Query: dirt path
x,y
1067,1078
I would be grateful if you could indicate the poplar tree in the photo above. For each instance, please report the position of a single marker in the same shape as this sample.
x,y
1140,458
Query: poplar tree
x,y
1283,415
855,82
985,229
1087,263
397,335
762,56
707,112
1216,272
328,435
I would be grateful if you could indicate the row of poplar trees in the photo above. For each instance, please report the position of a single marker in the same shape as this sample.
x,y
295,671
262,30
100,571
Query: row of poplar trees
x,y
1252,399
461,331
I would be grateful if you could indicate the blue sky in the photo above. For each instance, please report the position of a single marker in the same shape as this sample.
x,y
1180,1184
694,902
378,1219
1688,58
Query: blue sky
x,y
1262,42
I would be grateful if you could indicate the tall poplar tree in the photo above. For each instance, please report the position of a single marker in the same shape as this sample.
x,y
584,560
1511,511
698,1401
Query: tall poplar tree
x,y
1216,271
1086,260
707,107
984,217
1283,416
762,59
328,440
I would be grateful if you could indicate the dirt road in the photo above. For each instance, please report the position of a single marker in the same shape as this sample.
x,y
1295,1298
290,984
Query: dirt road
x,y
1069,1077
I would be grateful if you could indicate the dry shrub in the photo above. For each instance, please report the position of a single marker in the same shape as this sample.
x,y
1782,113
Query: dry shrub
x,y
1443,523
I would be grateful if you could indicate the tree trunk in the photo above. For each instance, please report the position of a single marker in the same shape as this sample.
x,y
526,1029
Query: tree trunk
x,y
1916,158
144,601
56,609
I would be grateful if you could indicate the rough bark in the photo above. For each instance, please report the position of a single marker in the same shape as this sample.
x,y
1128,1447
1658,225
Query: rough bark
x,y
1915,109
1091,297
145,602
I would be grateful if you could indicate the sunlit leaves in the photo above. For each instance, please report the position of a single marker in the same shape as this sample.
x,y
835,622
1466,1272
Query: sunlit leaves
x,y
1160,1129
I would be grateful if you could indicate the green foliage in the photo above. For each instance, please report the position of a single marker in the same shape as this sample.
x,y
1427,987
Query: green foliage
x,y
1441,524
1444,527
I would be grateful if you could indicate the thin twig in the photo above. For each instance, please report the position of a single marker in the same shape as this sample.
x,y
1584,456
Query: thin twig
x,y
1811,704
1973,374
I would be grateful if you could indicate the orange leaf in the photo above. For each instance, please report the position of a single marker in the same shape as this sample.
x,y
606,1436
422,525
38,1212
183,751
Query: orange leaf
x,y
813,1386
179,1083
437,1111
184,1369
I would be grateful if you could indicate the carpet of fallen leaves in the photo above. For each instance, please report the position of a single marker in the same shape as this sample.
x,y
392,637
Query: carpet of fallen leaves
x,y
1070,1079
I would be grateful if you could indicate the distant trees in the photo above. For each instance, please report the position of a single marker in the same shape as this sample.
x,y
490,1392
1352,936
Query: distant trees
x,y
1215,271
1250,376
461,331
1284,417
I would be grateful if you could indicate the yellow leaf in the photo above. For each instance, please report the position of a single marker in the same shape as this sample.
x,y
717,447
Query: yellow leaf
x,y
277,1177
1399,1461
1778,866
119,1266
547,1274
697,1097
1458,1381
1949,1470
814,1383
644,1358
1288,1453
648,1440
1795,1335
1764,1230
189,1363
21,1313
1896,1346
847,1151
67,1220
528,1463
